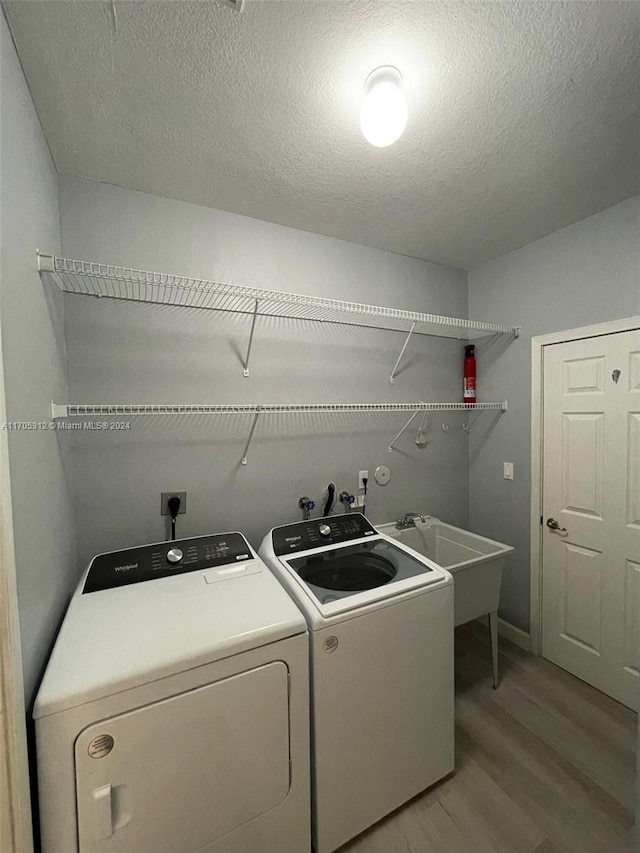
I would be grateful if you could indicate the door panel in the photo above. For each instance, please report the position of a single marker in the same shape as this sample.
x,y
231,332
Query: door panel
x,y
632,617
582,596
633,466
583,436
584,375
634,370
591,486
176,775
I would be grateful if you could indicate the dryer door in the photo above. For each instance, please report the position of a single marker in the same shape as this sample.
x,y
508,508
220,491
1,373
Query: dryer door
x,y
181,773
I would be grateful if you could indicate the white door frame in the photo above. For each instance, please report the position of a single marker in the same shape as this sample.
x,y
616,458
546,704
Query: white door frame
x,y
538,344
13,720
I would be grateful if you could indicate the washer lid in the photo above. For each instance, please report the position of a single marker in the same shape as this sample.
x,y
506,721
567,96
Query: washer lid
x,y
119,638
331,582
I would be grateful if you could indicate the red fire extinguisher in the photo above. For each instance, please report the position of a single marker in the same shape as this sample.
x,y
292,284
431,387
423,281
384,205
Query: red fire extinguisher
x,y
469,373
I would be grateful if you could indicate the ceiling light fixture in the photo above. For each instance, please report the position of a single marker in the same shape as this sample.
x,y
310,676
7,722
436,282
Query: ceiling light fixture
x,y
384,112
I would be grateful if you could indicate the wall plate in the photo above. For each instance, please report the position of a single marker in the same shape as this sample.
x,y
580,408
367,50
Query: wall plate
x,y
382,475
164,502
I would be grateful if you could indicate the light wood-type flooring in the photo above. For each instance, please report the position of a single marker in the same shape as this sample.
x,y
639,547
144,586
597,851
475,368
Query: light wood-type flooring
x,y
544,764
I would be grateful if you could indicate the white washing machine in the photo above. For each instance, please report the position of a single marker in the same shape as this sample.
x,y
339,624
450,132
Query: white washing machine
x,y
173,715
381,622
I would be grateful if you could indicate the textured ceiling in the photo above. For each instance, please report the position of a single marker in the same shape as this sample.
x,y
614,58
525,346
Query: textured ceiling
x,y
523,115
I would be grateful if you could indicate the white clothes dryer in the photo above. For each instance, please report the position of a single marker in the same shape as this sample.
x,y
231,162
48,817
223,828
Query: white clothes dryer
x,y
173,714
381,623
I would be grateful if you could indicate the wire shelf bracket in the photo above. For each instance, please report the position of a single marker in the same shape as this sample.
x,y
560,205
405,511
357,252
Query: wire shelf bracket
x,y
398,434
399,359
245,370
243,461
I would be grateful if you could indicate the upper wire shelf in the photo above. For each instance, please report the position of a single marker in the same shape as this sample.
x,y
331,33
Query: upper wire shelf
x,y
118,282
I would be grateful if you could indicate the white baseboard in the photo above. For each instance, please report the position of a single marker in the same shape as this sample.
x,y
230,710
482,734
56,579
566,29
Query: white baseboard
x,y
510,632
515,635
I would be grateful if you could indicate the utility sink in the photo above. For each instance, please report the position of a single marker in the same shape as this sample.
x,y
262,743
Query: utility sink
x,y
475,562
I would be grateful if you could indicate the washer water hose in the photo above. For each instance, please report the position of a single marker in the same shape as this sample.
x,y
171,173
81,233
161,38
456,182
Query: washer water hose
x,y
331,498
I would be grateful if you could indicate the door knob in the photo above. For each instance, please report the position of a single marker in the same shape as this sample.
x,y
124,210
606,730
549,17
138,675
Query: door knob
x,y
552,524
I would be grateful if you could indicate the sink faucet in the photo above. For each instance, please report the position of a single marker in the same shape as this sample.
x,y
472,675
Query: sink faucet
x,y
409,520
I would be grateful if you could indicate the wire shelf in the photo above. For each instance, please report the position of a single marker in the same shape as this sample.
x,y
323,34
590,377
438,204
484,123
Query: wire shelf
x,y
73,410
118,282
61,411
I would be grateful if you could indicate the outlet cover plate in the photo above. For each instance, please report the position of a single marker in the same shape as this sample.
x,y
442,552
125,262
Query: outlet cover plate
x,y
164,502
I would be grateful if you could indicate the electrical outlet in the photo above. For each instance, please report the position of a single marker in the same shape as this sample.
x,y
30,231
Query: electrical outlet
x,y
507,470
164,502
361,475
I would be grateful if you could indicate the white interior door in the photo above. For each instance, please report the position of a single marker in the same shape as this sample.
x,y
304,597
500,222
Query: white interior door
x,y
591,488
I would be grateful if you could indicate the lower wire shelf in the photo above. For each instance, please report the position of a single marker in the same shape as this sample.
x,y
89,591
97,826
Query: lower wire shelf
x,y
61,411
72,410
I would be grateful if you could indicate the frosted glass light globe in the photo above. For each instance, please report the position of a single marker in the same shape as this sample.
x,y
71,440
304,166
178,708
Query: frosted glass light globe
x,y
384,112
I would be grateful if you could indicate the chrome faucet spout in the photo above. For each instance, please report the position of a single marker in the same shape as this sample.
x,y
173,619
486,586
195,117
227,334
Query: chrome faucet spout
x,y
409,520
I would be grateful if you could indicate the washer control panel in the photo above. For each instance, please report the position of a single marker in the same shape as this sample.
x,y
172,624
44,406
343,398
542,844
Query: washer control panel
x,y
148,562
305,535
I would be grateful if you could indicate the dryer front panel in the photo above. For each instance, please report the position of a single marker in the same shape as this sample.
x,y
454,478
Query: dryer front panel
x,y
179,774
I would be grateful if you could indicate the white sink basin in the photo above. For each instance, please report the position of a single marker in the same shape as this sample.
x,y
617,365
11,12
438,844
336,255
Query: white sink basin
x,y
475,562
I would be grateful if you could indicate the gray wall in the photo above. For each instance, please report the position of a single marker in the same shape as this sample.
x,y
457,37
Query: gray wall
x,y
584,274
126,352
33,354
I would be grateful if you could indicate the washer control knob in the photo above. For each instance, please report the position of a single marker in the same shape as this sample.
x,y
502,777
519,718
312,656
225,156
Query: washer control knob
x,y
324,530
174,555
